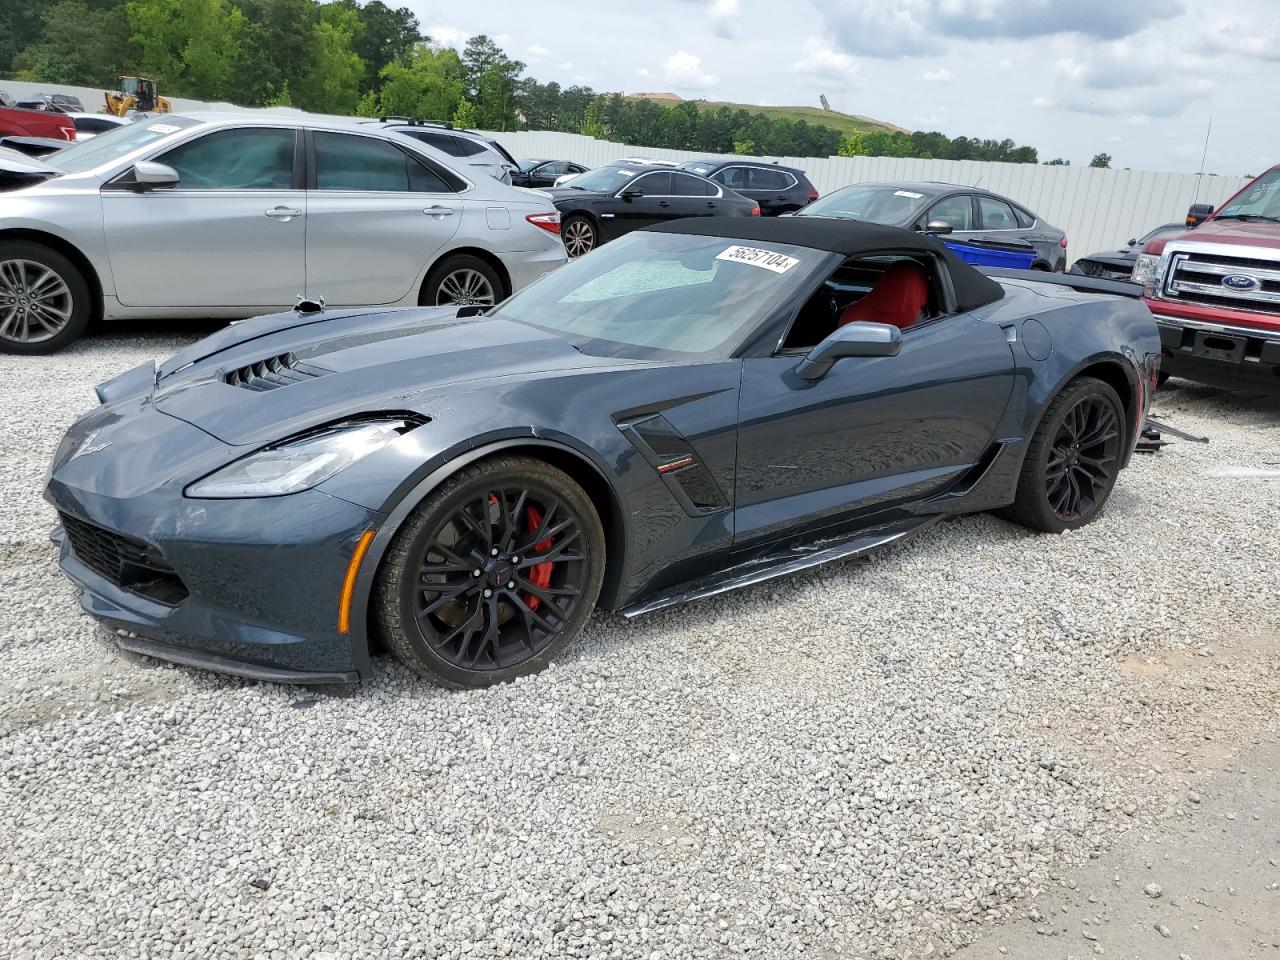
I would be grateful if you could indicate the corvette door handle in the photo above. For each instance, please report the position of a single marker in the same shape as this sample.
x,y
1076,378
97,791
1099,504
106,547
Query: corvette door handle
x,y
438,211
284,214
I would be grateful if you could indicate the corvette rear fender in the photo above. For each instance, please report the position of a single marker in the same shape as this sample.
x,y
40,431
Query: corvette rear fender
x,y
570,458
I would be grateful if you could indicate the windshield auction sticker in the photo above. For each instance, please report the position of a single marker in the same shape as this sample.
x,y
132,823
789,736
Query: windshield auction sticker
x,y
756,257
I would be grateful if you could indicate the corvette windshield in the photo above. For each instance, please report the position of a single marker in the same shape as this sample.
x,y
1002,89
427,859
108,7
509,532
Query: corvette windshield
x,y
889,205
653,296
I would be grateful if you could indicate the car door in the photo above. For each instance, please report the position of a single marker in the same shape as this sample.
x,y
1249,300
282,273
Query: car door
x,y
230,233
377,215
958,212
545,175
693,197
769,189
621,214
872,431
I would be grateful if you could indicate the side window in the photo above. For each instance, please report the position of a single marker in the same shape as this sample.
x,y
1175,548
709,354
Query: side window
x,y
683,185
769,179
556,168
1025,220
653,184
577,168
903,291
957,211
996,214
349,162
251,158
468,148
441,141
736,178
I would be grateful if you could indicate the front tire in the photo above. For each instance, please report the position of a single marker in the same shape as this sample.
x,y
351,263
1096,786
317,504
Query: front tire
x,y
493,575
1073,459
44,299
580,236
463,280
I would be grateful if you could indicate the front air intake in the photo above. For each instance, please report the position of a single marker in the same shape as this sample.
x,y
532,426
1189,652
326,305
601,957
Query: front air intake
x,y
272,373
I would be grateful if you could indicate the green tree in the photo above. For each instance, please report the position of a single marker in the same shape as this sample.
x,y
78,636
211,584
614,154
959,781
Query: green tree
x,y
386,36
592,125
1102,160
744,148
465,115
279,55
429,85
332,82
495,100
82,45
196,48
1057,162
481,55
22,25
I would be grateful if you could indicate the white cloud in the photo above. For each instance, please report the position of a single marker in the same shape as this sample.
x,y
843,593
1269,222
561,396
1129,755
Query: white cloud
x,y
941,75
566,66
643,72
449,36
536,51
723,15
684,70
822,61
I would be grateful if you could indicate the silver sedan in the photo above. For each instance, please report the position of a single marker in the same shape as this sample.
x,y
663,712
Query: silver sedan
x,y
233,215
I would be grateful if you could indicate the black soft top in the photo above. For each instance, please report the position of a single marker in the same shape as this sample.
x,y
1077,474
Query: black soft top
x,y
849,238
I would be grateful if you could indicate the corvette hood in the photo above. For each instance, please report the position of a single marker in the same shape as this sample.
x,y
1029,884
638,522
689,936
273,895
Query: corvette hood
x,y
265,379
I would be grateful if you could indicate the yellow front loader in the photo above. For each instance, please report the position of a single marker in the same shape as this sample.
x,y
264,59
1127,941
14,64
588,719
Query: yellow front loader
x,y
136,93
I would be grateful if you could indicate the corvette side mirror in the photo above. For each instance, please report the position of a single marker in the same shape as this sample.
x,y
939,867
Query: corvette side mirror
x,y
852,340
938,226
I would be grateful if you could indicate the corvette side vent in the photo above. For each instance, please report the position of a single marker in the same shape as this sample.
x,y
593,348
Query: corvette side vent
x,y
272,373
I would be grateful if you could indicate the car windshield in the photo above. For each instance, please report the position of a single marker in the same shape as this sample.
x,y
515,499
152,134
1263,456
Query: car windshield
x,y
605,179
700,167
873,203
1260,199
106,147
663,296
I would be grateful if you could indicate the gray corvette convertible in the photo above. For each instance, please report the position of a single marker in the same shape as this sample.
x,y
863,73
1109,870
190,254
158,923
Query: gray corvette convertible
x,y
694,408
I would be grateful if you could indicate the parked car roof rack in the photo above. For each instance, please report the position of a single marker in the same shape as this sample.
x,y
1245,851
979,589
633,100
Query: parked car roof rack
x,y
415,122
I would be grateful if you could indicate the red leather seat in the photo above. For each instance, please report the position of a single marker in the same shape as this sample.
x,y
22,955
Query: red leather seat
x,y
897,298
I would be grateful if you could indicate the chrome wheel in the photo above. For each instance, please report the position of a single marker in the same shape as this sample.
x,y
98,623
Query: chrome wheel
x,y
35,302
466,287
579,238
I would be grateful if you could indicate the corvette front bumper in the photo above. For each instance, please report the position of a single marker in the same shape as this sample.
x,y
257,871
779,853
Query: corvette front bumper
x,y
236,586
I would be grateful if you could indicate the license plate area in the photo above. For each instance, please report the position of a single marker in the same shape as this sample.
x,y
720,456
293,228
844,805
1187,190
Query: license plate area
x,y
1219,346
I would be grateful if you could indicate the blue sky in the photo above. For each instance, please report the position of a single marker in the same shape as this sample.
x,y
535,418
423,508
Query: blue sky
x,y
1070,77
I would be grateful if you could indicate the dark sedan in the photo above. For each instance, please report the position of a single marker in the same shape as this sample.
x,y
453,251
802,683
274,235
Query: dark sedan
x,y
605,203
777,189
543,173
698,407
966,215
1118,264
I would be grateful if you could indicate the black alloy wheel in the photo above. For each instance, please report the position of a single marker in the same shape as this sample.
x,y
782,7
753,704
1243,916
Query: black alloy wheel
x,y
493,575
1073,459
1084,458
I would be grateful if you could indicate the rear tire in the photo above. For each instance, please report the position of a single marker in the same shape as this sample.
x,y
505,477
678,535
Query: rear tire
x,y
44,299
500,516
580,235
1073,459
464,280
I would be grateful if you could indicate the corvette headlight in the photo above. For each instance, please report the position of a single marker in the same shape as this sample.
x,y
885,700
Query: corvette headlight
x,y
1145,271
298,464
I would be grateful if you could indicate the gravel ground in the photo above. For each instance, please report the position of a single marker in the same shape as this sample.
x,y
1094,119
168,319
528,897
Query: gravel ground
x,y
871,760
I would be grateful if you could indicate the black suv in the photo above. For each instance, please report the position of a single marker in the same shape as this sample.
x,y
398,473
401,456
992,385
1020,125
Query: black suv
x,y
777,189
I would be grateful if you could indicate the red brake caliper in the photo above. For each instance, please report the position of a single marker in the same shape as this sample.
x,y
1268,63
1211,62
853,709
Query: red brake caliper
x,y
539,573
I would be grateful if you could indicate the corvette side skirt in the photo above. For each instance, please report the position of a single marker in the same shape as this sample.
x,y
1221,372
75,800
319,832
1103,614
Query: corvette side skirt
x,y
786,561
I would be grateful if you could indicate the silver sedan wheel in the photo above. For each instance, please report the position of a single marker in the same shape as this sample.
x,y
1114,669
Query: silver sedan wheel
x,y
579,238
466,287
35,302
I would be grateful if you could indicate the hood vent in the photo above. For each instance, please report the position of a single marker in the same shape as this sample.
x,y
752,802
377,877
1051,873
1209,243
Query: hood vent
x,y
272,373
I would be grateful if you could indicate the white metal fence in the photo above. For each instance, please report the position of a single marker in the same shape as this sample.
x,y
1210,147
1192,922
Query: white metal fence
x,y
1099,209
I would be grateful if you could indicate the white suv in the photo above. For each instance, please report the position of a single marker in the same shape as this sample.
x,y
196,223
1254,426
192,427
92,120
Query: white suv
x,y
476,150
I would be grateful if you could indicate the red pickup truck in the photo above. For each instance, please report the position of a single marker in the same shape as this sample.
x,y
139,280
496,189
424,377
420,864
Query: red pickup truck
x,y
15,122
1215,291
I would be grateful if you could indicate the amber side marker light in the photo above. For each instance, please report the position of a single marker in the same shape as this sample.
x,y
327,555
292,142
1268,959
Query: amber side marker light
x,y
349,584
